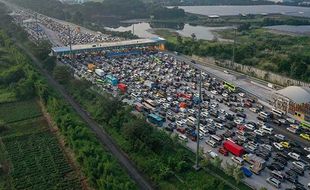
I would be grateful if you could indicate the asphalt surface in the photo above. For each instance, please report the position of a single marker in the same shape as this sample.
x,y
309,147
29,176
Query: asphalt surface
x,y
103,137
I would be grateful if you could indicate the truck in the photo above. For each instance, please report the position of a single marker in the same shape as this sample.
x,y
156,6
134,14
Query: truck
x,y
233,148
246,171
99,72
91,66
257,162
252,159
122,87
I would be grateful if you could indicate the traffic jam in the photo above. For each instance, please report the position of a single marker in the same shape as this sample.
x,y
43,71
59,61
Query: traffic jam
x,y
233,126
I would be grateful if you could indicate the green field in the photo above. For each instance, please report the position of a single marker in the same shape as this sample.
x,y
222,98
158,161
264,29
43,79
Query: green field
x,y
18,111
39,163
30,152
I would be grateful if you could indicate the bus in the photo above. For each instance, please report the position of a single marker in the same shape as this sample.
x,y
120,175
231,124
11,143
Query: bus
x,y
148,108
155,119
150,102
305,124
229,86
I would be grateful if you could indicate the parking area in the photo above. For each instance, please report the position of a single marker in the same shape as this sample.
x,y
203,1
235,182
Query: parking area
x,y
165,90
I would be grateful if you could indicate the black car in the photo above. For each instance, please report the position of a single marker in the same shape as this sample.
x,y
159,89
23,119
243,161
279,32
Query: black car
x,y
281,160
299,186
168,128
291,173
241,115
272,167
292,179
280,154
298,171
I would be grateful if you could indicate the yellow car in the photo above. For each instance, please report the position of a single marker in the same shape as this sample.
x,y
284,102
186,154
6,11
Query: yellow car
x,y
305,136
285,144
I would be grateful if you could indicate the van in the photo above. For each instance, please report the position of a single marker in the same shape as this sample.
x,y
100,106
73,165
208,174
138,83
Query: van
x,y
183,137
203,131
274,182
268,130
237,160
299,165
212,143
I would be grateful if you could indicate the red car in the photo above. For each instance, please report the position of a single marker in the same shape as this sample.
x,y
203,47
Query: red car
x,y
223,151
241,127
181,130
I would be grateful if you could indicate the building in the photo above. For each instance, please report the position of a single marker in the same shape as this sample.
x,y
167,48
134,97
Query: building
x,y
154,42
294,100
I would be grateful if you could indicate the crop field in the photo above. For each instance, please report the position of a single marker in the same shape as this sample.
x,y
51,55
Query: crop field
x,y
18,111
39,163
31,152
24,127
6,96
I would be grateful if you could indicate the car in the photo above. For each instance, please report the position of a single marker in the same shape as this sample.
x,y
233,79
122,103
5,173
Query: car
x,y
285,144
274,182
241,94
266,146
280,137
308,156
307,149
294,155
278,146
168,128
298,171
305,136
259,132
223,151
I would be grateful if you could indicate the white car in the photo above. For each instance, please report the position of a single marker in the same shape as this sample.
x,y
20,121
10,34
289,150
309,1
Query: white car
x,y
294,155
241,94
212,154
224,94
279,136
307,149
205,114
225,71
266,146
214,92
278,146
308,156
259,132
253,110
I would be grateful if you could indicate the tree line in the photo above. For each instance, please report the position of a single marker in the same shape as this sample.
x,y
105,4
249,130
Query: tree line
x,y
282,54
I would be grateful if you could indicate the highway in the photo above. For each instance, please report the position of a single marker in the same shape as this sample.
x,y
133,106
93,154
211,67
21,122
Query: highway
x,y
262,93
103,137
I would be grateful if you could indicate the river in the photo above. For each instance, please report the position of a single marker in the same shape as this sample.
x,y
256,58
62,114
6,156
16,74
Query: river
x,y
146,30
253,9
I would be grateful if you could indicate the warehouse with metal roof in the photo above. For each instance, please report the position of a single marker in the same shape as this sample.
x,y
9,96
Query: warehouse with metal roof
x,y
296,94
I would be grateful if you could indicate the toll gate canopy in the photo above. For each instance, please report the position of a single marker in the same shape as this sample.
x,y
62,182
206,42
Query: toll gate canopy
x,y
108,45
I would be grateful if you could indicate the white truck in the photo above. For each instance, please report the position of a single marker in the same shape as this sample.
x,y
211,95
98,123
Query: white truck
x,y
99,72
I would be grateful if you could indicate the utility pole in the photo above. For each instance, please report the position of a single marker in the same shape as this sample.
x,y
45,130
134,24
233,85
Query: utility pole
x,y
196,166
234,46
37,26
70,42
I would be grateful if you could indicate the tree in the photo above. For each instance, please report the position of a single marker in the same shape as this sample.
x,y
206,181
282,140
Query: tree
x,y
179,39
238,174
229,168
49,63
62,74
216,162
193,36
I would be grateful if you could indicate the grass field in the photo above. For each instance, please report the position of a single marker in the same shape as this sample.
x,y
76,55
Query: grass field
x,y
18,111
30,152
